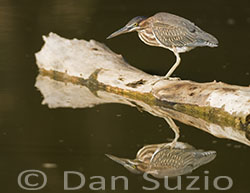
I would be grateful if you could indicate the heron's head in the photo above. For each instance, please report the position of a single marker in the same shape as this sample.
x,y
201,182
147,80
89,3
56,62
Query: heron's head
x,y
132,25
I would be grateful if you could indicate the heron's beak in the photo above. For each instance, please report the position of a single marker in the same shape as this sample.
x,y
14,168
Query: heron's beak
x,y
128,164
117,159
123,30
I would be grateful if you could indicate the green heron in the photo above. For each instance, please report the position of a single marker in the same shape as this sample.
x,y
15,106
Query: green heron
x,y
168,31
160,160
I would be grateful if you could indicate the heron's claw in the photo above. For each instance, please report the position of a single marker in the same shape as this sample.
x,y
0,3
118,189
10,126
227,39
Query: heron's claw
x,y
167,78
172,78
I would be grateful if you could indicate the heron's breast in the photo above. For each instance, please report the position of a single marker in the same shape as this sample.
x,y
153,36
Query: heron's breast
x,y
183,49
148,37
179,49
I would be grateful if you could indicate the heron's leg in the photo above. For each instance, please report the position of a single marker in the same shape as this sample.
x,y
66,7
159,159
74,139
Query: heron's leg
x,y
171,144
176,130
172,69
176,64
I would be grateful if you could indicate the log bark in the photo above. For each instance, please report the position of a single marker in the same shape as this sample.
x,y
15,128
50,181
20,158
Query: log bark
x,y
94,75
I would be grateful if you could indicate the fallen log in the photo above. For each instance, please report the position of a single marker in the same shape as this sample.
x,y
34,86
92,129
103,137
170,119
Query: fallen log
x,y
94,75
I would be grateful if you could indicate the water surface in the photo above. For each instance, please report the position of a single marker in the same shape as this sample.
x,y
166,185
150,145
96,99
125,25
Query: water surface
x,y
77,139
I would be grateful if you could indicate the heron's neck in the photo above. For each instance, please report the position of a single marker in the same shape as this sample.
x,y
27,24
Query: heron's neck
x,y
144,24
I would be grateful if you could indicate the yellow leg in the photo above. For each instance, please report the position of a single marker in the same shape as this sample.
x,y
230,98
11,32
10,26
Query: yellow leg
x,y
176,64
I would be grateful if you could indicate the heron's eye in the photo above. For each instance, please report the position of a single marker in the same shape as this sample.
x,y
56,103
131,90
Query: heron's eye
x,y
136,24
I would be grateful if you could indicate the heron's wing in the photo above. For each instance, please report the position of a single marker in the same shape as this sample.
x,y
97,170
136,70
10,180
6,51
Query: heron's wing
x,y
175,35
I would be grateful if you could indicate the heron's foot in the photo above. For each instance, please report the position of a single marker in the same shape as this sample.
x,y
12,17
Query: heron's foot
x,y
170,145
172,78
167,78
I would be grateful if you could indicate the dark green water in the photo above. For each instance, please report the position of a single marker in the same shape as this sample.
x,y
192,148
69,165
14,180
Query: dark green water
x,y
31,134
